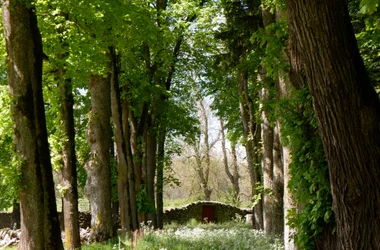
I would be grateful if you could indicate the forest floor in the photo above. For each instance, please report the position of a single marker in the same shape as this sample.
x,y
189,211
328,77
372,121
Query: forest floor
x,y
234,235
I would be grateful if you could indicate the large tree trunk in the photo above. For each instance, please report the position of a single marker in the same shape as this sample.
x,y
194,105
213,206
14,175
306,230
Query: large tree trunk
x,y
69,172
250,134
39,219
348,113
99,137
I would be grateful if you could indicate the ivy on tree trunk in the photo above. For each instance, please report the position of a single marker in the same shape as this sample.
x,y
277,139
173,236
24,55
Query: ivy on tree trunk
x,y
348,113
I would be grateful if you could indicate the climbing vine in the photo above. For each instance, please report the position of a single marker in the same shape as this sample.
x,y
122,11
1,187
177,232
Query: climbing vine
x,y
309,182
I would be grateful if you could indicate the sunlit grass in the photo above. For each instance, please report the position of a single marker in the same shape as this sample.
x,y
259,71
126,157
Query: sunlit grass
x,y
234,235
226,236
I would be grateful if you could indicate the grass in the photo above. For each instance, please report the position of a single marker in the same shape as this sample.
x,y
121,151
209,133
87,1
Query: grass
x,y
196,236
233,235
227,236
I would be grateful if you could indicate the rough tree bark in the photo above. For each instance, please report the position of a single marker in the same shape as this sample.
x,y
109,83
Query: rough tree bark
x,y
39,219
99,137
348,113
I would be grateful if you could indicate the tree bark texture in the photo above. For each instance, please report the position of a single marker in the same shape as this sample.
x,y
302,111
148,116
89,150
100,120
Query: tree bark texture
x,y
69,172
39,219
348,113
249,134
98,168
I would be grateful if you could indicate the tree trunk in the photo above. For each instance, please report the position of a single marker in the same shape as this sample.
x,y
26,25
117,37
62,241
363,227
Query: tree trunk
x,y
267,151
249,134
348,113
133,132
206,170
122,180
278,183
99,135
234,178
289,202
16,216
283,88
235,174
160,176
39,217
69,172
151,171
272,197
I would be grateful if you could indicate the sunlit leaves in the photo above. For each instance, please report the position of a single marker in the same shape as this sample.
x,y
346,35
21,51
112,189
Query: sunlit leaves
x,y
9,172
369,6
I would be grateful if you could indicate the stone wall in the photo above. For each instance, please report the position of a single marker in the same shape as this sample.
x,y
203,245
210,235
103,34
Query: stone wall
x,y
84,220
6,220
223,212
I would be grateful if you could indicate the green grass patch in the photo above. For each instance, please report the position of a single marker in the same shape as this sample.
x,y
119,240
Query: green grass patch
x,y
233,235
209,237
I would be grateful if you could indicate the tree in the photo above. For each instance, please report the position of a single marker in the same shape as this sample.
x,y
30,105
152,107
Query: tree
x,y
126,182
99,136
348,113
40,225
202,149
234,176
57,63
